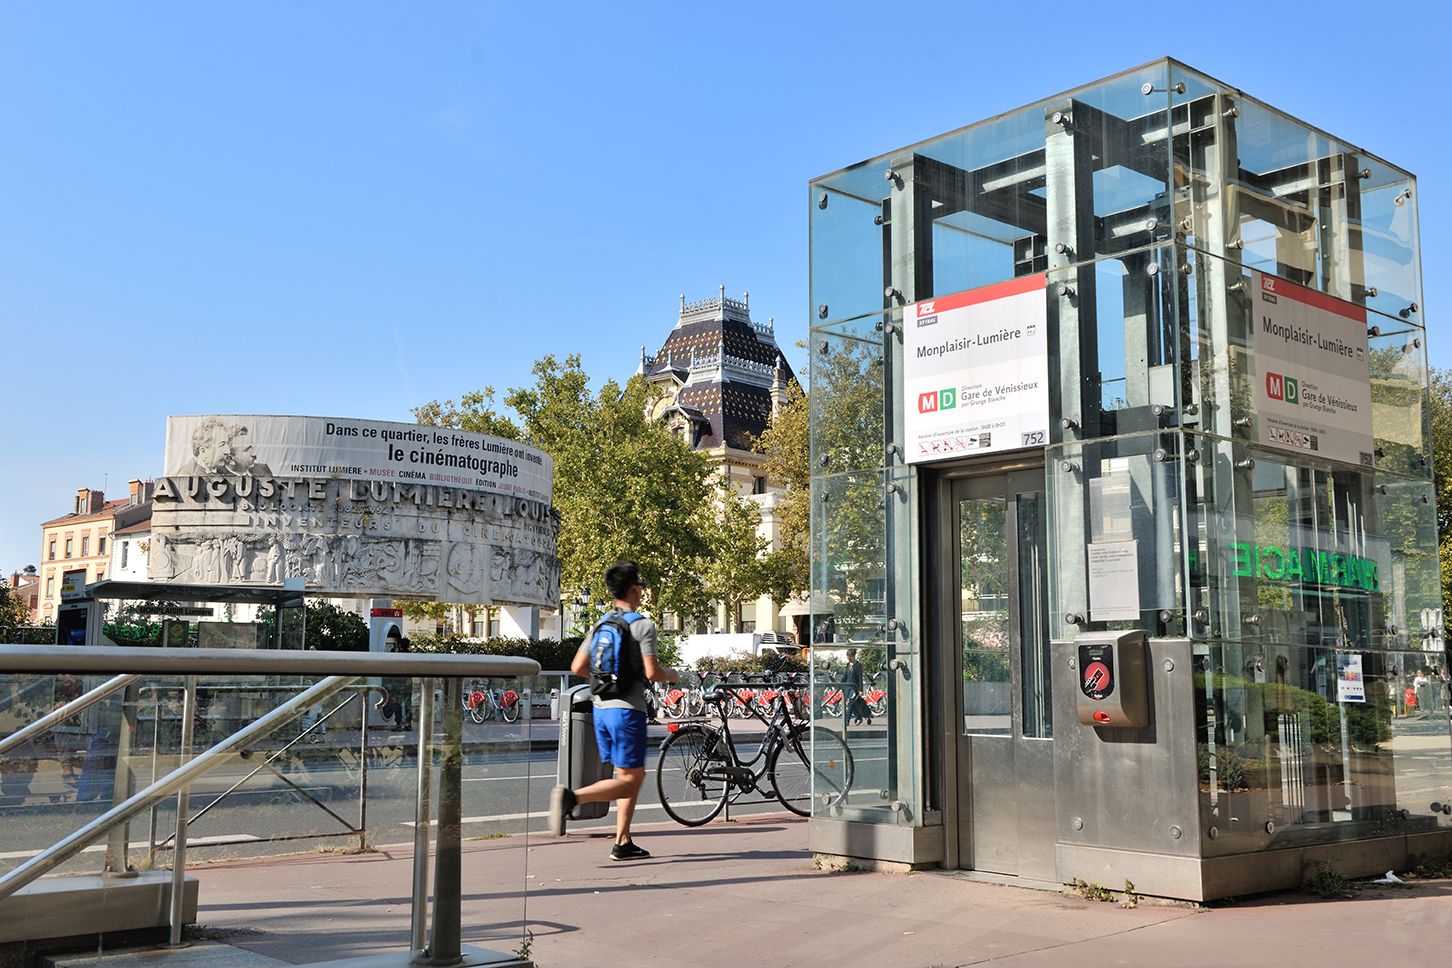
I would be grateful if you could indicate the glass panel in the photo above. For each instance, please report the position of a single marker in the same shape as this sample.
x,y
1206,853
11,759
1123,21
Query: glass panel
x,y
1310,585
846,244
1125,311
1242,335
847,402
1298,204
971,208
985,593
849,567
340,778
862,562
1033,618
1108,497
1400,406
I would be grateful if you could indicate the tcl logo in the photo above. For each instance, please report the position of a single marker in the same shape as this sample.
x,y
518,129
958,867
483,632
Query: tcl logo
x,y
926,308
1267,284
928,402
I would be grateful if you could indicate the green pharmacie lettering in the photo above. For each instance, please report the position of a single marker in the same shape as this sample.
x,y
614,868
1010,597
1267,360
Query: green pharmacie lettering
x,y
1308,565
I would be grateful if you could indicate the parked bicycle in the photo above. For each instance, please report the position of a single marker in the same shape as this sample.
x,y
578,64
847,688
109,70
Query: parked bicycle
x,y
482,704
699,768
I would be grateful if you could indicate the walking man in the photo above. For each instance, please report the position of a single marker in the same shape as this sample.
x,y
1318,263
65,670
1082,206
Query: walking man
x,y
619,722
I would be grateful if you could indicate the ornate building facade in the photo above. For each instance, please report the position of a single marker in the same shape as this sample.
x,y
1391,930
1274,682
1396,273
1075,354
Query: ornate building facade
x,y
722,378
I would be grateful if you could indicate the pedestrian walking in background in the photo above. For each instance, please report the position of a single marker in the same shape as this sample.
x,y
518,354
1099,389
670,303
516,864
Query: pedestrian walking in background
x,y
620,709
853,702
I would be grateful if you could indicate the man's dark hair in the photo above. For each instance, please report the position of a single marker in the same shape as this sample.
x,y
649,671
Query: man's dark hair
x,y
620,576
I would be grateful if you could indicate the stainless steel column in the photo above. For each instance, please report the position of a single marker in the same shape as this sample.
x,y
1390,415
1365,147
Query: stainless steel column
x,y
422,813
179,844
122,785
445,948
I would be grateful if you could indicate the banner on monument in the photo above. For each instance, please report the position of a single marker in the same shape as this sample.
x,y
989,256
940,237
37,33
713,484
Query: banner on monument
x,y
371,450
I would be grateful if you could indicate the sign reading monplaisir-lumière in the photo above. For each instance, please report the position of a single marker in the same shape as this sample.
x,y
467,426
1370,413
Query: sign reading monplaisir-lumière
x,y
1313,386
356,508
975,371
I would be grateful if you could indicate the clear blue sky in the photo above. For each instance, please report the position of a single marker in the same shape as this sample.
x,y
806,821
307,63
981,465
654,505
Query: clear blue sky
x,y
349,208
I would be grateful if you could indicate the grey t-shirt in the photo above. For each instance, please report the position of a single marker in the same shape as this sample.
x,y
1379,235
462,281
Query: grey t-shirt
x,y
643,629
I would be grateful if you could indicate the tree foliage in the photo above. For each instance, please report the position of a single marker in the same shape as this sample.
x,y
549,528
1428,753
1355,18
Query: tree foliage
x,y
786,446
328,628
474,412
625,487
1441,423
14,613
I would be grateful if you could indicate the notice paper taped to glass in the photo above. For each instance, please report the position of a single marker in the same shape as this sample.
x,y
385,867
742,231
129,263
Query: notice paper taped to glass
x,y
1113,581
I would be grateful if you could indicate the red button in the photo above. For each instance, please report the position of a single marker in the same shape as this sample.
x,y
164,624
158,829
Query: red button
x,y
1101,717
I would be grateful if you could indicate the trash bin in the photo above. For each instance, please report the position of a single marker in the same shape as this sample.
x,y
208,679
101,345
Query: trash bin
x,y
554,704
579,760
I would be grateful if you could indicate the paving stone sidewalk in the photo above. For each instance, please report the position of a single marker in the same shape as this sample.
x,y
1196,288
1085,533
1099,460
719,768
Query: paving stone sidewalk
x,y
746,893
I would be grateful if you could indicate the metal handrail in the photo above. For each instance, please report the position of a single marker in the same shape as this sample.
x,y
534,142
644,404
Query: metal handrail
x,y
341,671
58,659
62,713
72,844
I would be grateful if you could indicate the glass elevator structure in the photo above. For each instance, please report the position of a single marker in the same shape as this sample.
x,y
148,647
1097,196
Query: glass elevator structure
x,y
1122,492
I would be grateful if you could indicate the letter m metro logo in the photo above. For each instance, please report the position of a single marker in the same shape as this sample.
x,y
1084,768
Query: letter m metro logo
x,y
928,402
1281,387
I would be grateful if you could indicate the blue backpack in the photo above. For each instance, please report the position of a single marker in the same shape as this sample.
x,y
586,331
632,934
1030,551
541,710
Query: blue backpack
x,y
615,661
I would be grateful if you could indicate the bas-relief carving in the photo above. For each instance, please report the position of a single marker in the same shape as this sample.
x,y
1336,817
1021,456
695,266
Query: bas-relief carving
x,y
423,552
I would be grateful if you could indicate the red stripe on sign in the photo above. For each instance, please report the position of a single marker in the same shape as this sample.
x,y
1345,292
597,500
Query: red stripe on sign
x,y
999,290
1314,298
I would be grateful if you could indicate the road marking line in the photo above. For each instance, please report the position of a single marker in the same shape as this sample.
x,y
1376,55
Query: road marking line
x,y
216,840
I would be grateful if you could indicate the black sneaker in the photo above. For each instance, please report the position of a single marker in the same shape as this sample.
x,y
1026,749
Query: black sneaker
x,y
629,851
562,801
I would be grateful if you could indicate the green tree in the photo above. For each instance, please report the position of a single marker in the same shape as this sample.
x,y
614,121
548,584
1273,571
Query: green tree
x,y
1440,418
625,487
329,628
850,495
786,446
474,412
738,569
14,613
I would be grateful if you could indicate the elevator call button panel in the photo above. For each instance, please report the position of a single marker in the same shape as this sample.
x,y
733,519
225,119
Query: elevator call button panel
x,y
1113,686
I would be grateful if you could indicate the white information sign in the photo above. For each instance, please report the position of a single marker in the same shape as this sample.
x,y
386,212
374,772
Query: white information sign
x,y
975,371
1113,581
1313,393
1350,686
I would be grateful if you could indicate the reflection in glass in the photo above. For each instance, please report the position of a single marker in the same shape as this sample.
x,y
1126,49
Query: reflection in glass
x,y
984,616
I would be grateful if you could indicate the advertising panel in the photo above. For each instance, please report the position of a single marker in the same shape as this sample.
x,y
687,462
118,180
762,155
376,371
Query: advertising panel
x,y
975,371
1313,388
356,508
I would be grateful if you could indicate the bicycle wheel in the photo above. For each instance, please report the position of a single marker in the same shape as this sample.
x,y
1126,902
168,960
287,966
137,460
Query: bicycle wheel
x,y
801,768
689,776
511,713
476,713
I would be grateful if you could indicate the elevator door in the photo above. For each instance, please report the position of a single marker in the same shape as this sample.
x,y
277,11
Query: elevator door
x,y
1005,802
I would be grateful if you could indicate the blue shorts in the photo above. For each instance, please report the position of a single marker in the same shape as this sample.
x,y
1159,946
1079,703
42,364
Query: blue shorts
x,y
620,734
